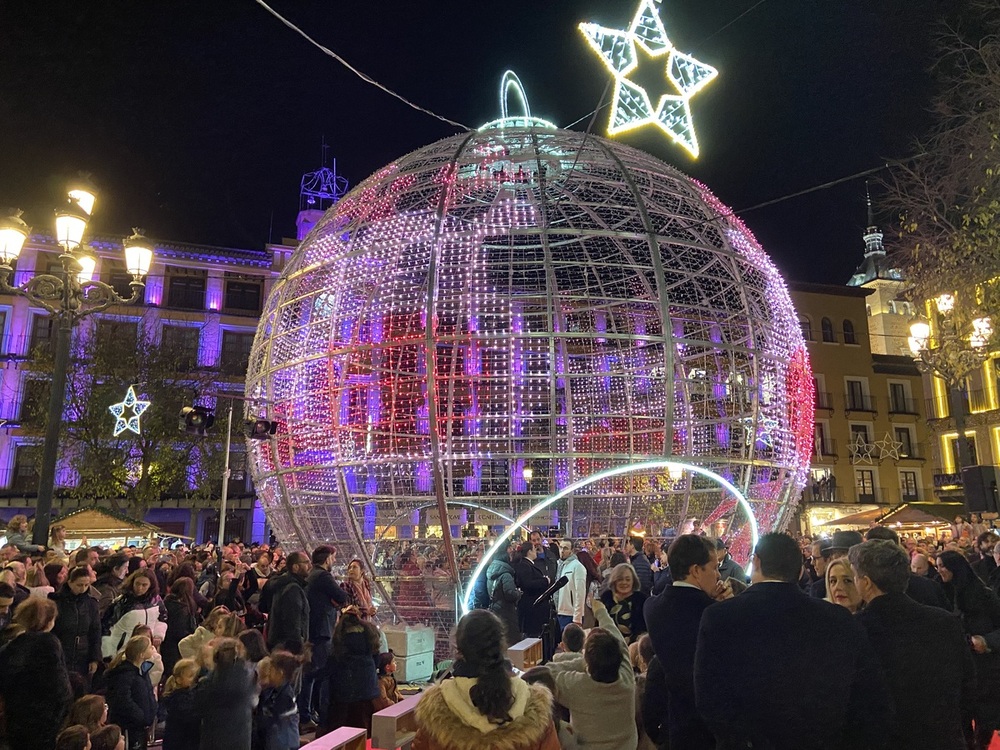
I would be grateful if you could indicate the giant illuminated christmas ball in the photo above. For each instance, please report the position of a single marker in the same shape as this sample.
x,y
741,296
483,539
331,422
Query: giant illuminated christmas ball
x,y
509,311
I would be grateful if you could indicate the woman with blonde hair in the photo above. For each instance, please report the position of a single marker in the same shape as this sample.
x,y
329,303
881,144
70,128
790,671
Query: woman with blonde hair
x,y
33,657
840,588
183,728
190,646
625,601
17,534
131,704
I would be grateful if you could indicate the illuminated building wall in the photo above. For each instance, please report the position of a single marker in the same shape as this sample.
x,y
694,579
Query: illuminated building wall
x,y
524,298
211,306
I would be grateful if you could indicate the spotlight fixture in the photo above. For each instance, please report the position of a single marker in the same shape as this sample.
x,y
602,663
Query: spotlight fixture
x,y
260,429
196,420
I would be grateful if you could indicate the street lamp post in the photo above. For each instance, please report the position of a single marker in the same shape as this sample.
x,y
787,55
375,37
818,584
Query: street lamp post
x,y
959,347
68,296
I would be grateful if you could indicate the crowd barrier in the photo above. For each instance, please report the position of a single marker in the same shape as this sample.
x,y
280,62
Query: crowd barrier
x,y
345,738
394,728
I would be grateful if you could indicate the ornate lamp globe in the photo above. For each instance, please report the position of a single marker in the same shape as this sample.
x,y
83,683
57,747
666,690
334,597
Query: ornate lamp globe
x,y
527,298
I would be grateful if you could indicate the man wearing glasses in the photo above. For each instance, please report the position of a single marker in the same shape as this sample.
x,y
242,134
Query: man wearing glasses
x,y
570,599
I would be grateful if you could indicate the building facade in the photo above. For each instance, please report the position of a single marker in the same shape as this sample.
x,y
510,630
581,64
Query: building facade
x,y
205,300
871,439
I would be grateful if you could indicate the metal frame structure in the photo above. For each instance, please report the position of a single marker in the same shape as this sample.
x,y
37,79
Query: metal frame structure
x,y
522,297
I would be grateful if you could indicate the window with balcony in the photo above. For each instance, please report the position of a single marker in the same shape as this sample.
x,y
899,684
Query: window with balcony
x,y
185,288
826,328
904,436
243,295
849,335
235,355
899,399
908,487
865,485
181,343
121,334
34,402
24,477
857,397
43,333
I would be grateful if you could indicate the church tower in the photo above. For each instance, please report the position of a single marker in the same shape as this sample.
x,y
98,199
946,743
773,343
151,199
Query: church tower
x,y
888,313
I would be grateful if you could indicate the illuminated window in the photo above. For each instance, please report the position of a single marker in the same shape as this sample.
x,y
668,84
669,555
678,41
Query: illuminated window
x,y
956,459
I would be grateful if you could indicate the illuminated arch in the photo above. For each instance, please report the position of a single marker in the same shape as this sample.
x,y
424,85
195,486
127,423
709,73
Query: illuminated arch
x,y
741,500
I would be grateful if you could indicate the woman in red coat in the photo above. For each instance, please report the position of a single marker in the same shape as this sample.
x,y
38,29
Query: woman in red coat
x,y
484,706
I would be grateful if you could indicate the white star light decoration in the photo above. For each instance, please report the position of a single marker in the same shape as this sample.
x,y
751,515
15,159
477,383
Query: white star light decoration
x,y
861,449
631,107
888,447
133,404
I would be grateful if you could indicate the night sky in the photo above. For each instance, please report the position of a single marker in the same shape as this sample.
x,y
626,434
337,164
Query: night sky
x,y
198,118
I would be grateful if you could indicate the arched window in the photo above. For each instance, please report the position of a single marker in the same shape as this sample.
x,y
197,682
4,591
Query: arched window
x,y
827,327
849,337
807,329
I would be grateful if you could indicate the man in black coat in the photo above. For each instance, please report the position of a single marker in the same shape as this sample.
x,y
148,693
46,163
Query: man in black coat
x,y
325,597
672,620
640,562
921,589
985,565
911,641
288,608
531,618
753,651
546,561
78,624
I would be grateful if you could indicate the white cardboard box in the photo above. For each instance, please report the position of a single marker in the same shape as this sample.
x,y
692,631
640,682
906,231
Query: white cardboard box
x,y
413,639
415,667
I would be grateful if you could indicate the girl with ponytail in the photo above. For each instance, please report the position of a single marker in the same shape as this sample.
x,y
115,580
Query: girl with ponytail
x,y
482,705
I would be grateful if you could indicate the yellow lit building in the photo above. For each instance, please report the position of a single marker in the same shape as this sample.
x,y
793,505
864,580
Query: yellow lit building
x,y
870,428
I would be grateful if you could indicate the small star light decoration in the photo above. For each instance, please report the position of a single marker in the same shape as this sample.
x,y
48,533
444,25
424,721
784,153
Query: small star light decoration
x,y
888,447
133,404
861,449
631,107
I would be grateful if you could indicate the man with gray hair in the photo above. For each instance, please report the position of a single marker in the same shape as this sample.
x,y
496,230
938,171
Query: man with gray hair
x,y
912,640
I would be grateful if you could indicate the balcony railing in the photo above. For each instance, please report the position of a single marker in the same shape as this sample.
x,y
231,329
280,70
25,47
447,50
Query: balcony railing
x,y
903,406
823,400
859,402
824,447
975,402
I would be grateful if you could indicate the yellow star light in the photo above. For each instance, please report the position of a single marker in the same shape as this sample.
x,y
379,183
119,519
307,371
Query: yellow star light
x,y
631,107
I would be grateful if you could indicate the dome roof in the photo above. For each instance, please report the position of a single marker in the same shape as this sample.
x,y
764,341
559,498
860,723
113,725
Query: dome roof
x,y
504,312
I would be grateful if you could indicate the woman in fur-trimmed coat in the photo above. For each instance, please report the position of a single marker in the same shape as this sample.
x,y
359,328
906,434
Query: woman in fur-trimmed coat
x,y
483,706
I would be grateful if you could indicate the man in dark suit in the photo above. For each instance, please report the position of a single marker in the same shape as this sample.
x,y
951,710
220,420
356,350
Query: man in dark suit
x,y
920,589
672,620
912,641
640,563
751,654
985,565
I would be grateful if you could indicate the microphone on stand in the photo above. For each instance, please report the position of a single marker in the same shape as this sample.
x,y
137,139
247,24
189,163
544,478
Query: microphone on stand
x,y
552,589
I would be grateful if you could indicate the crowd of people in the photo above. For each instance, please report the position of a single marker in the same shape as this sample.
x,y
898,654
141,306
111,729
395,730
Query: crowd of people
x,y
853,641
827,643
247,649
